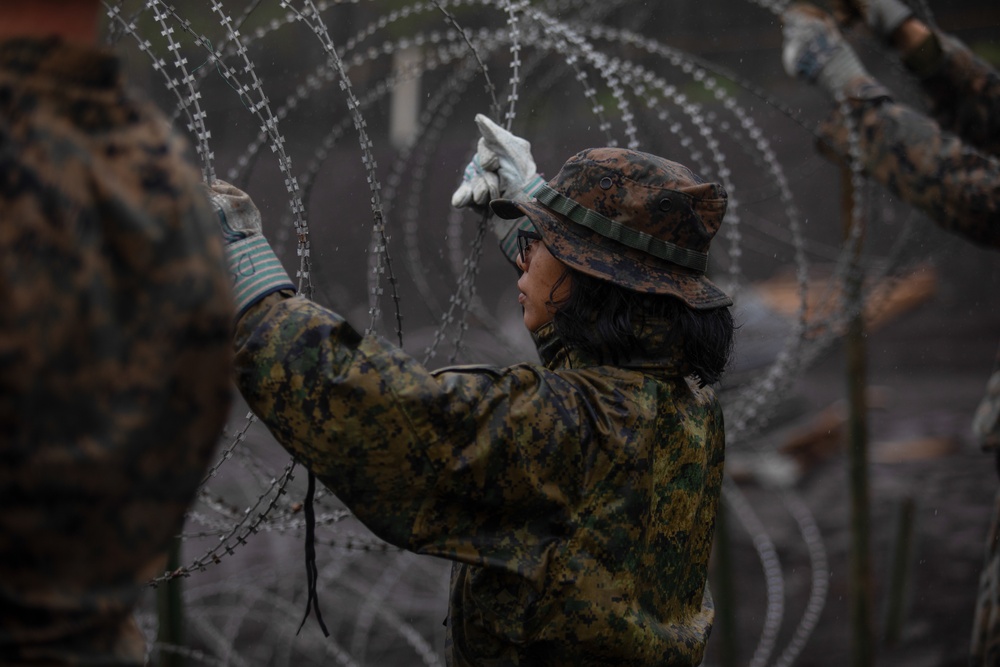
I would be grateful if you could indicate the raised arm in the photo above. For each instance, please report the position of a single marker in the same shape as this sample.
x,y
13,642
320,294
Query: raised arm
x,y
441,463
955,183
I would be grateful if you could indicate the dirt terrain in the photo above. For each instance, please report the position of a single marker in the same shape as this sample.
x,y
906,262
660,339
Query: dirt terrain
x,y
926,372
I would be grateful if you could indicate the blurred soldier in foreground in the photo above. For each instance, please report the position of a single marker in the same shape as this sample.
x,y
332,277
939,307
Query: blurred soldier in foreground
x,y
946,165
577,496
114,341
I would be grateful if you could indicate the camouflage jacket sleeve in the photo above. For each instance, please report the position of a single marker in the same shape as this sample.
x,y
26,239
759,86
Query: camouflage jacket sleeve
x,y
580,499
949,170
404,447
963,92
115,355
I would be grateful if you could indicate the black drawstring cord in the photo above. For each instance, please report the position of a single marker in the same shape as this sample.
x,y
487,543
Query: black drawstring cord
x,y
312,574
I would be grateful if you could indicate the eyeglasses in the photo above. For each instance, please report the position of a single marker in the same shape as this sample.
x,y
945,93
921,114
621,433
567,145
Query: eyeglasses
x,y
525,240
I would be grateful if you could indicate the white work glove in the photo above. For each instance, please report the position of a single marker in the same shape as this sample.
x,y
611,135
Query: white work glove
x,y
478,185
502,168
814,49
255,269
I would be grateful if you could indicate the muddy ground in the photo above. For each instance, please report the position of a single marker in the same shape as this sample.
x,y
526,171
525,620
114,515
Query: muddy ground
x,y
926,372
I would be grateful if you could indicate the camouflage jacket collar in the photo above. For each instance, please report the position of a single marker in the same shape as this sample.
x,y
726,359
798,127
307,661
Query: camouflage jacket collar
x,y
663,353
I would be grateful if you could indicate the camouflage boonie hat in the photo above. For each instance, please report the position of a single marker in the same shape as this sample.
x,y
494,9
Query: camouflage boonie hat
x,y
633,219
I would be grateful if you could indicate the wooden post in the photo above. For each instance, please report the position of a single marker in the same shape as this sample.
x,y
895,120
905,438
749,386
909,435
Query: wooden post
x,y
724,590
170,608
861,583
899,577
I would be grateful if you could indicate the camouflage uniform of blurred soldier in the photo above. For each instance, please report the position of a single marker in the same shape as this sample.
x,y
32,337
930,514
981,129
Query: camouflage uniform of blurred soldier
x,y
114,342
577,496
948,167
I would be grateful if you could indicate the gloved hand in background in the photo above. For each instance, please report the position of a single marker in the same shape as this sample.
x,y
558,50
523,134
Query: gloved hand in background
x,y
815,51
897,25
255,269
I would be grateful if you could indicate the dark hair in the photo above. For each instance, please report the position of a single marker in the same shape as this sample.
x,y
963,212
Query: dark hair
x,y
603,320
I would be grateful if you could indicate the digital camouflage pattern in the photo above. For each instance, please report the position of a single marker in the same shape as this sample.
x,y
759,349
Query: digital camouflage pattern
x,y
578,501
631,218
948,167
114,353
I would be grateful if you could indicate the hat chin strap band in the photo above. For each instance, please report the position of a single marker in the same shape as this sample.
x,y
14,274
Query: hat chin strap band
x,y
596,222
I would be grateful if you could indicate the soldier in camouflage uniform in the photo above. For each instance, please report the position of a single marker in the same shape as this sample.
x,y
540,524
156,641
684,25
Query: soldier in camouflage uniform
x,y
578,495
946,165
114,341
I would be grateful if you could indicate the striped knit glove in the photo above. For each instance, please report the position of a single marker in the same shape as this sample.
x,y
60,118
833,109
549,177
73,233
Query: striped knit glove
x,y
255,269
